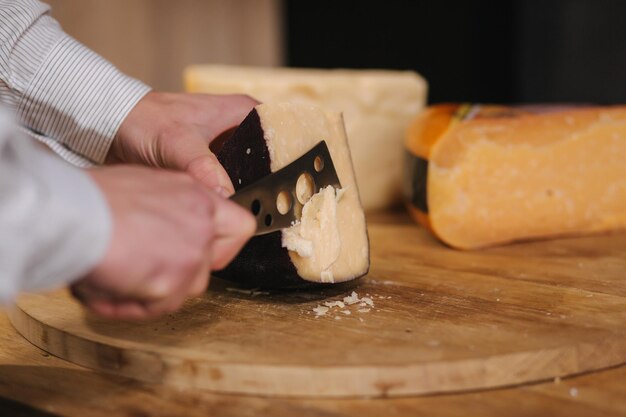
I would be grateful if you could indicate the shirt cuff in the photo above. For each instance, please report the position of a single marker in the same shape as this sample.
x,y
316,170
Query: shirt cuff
x,y
77,98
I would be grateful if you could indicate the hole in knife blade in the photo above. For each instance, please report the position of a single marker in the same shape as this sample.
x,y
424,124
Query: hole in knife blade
x,y
318,164
268,220
256,207
284,202
305,187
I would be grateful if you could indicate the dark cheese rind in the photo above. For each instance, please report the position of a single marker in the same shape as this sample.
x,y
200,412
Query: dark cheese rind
x,y
263,262
415,181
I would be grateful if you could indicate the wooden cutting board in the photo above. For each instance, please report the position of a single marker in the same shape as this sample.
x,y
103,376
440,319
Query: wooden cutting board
x,y
442,321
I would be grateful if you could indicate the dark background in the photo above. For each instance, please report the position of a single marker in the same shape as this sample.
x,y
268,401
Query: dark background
x,y
504,51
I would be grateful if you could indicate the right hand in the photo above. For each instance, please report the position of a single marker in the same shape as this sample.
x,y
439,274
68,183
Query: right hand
x,y
169,232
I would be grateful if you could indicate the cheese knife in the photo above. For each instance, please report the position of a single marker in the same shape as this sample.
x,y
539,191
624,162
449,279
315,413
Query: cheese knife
x,y
276,200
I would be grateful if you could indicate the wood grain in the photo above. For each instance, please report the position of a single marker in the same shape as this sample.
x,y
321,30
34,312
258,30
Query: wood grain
x,y
33,377
443,321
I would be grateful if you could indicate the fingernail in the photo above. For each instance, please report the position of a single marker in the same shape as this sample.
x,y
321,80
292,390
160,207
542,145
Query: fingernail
x,y
222,191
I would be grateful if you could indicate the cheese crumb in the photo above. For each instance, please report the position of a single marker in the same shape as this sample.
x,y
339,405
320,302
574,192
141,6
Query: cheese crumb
x,y
321,310
253,292
366,304
352,298
293,241
331,304
573,392
248,151
238,290
368,301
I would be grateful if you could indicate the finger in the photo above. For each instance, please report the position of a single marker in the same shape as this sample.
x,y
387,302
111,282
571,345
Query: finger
x,y
135,309
179,291
102,308
163,285
222,112
127,309
201,282
194,157
234,226
130,310
86,292
131,288
157,308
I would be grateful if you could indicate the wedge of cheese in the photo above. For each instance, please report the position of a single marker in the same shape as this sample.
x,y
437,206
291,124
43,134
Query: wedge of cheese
x,y
377,106
329,243
485,175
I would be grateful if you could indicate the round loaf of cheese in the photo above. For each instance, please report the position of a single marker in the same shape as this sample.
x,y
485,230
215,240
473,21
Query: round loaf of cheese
x,y
485,175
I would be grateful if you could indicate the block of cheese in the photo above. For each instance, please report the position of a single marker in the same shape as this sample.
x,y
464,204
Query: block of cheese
x,y
329,244
485,175
377,106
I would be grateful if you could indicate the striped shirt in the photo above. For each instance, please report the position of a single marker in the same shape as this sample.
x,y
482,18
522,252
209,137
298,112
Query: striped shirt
x,y
63,93
54,224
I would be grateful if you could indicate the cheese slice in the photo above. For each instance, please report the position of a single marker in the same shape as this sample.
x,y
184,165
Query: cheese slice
x,y
499,174
315,241
377,106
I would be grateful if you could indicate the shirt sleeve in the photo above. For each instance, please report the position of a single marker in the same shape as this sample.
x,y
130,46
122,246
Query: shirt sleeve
x,y
65,94
55,223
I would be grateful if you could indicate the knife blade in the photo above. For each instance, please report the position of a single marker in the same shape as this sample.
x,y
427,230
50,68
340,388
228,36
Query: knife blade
x,y
276,200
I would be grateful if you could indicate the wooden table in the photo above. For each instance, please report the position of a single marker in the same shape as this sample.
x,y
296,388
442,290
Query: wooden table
x,y
41,381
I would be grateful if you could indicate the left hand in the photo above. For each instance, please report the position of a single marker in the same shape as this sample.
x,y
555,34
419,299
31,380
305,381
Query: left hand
x,y
173,131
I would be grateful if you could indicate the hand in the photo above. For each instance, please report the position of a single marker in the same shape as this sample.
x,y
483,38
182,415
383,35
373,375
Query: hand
x,y
168,130
169,232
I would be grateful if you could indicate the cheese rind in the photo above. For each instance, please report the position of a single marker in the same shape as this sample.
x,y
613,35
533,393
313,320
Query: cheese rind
x,y
377,105
507,174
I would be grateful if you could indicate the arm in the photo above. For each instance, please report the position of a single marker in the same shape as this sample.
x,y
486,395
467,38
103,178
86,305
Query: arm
x,y
55,223
60,90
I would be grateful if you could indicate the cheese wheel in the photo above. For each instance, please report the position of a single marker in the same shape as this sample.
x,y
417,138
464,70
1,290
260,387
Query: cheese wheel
x,y
377,105
329,244
479,176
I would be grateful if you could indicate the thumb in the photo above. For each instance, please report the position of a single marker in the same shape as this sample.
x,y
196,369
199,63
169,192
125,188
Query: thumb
x,y
234,225
195,158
